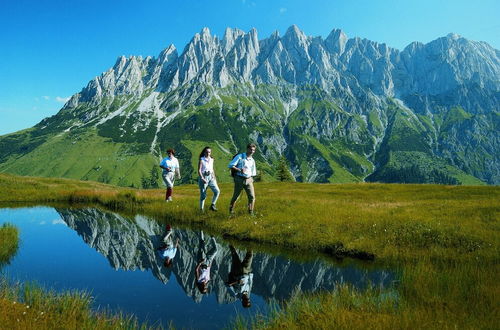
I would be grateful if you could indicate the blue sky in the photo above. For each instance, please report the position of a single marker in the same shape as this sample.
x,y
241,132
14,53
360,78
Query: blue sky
x,y
50,49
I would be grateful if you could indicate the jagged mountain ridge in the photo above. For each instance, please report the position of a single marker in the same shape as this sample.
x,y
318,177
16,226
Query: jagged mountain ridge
x,y
339,109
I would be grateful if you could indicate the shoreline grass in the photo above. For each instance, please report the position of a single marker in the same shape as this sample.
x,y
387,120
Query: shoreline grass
x,y
429,296
443,240
27,306
391,221
9,242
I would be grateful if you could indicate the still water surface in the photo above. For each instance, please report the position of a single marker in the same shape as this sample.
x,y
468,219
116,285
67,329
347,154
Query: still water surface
x,y
118,261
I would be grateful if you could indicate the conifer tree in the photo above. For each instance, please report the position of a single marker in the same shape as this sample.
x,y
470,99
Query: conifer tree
x,y
153,179
283,173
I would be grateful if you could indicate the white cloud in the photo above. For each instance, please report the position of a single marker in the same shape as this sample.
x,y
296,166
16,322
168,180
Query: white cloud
x,y
62,99
282,10
43,222
46,97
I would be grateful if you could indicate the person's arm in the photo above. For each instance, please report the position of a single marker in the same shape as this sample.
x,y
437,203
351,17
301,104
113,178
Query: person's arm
x,y
178,170
234,163
199,171
254,169
197,270
162,164
177,243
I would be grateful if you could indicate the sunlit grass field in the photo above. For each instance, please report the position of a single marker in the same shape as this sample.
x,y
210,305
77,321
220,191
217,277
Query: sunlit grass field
x,y
390,221
443,240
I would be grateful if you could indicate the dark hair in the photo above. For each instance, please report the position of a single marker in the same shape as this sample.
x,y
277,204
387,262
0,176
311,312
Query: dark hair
x,y
251,145
246,302
202,286
167,263
171,151
203,151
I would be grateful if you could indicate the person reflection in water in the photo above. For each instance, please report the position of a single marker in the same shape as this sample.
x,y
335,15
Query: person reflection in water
x,y
168,249
205,260
241,277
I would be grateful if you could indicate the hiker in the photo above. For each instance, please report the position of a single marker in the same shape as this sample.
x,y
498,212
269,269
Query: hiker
x,y
170,166
205,260
207,178
168,249
240,278
243,170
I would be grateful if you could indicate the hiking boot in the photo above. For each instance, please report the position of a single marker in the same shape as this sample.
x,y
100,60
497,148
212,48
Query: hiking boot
x,y
231,211
169,199
213,208
250,212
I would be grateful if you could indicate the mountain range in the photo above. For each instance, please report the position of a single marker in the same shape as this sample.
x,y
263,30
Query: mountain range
x,y
336,109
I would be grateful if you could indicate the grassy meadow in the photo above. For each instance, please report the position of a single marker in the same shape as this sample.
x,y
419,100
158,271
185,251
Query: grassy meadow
x,y
442,240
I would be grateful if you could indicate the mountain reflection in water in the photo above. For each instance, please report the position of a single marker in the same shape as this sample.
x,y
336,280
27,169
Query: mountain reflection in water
x,y
53,254
132,244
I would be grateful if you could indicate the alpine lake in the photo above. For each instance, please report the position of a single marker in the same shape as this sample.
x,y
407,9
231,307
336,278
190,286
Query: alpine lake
x,y
120,261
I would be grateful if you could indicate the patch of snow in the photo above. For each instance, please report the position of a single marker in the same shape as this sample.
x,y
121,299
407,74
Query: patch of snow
x,y
115,113
160,124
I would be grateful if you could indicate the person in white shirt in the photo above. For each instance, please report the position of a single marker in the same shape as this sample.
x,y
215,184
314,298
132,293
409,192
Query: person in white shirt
x,y
168,249
170,166
240,278
243,168
205,260
207,178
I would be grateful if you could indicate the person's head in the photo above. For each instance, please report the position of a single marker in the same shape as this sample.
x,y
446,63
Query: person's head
x,y
202,286
251,148
167,262
245,300
206,152
170,152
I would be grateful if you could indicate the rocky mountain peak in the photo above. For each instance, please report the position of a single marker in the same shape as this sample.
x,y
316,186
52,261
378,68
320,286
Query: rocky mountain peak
x,y
336,40
230,36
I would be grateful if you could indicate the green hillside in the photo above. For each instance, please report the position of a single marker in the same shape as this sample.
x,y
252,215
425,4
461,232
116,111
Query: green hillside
x,y
321,141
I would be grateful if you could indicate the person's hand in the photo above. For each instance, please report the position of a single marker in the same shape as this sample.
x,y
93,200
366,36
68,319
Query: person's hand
x,y
204,180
